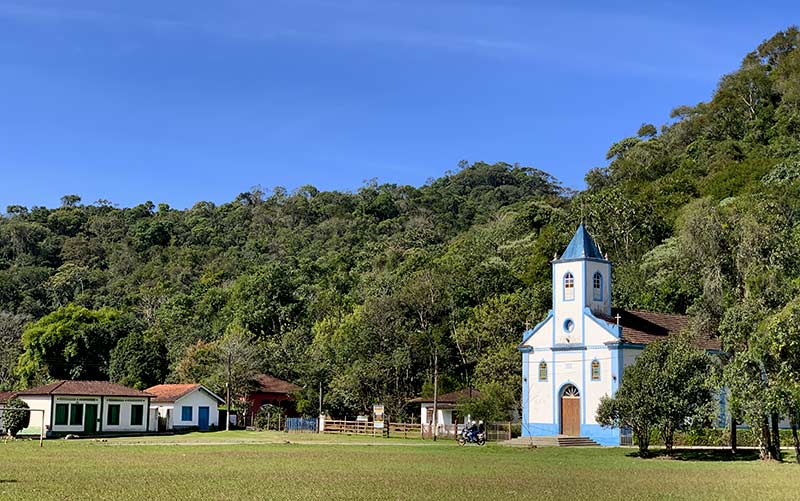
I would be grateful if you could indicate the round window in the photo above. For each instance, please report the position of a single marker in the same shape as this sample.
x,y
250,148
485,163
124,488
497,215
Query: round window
x,y
569,325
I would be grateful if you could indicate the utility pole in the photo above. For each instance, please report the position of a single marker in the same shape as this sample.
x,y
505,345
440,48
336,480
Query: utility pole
x,y
435,391
320,397
228,397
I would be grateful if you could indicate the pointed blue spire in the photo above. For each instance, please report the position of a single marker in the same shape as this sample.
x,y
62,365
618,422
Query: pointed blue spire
x,y
581,246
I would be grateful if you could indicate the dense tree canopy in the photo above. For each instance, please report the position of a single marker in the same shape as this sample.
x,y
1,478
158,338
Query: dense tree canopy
x,y
367,292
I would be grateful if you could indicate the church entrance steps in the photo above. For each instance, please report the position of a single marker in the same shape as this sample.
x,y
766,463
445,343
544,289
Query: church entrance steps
x,y
553,441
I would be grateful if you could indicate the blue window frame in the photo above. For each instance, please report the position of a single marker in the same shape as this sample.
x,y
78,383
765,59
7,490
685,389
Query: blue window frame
x,y
186,413
569,287
597,286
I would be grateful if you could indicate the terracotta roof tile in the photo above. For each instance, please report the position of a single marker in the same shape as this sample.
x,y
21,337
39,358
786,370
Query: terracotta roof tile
x,y
644,327
170,392
84,388
5,396
270,384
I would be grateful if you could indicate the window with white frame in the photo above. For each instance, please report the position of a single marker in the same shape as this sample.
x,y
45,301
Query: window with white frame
x,y
569,287
597,286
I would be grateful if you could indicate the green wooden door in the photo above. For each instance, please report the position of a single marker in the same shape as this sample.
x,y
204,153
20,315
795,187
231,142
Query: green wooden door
x,y
90,419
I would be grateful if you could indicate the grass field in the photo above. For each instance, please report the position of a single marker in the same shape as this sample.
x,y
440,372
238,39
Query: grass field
x,y
246,465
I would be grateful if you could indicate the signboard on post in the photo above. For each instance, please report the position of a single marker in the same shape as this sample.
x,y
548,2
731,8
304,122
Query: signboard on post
x,y
377,413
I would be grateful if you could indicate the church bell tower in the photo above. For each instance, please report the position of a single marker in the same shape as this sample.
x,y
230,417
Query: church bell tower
x,y
581,279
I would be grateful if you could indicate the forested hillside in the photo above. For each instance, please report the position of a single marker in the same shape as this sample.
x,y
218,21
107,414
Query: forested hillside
x,y
367,292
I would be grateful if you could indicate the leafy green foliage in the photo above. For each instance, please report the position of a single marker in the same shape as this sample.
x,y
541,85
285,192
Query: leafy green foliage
x,y
12,420
73,342
666,388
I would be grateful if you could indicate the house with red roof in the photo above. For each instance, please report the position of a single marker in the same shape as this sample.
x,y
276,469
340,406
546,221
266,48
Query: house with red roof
x,y
88,407
579,352
269,390
185,406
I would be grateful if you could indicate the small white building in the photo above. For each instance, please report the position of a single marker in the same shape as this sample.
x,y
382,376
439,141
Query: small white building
x,y
185,406
87,407
447,418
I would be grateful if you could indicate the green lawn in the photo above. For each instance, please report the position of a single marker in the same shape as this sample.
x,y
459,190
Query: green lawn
x,y
241,465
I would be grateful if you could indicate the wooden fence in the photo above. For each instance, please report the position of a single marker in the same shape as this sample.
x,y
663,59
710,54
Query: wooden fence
x,y
495,432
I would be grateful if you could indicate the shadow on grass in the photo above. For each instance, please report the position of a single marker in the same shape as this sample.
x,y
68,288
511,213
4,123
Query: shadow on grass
x,y
7,481
716,455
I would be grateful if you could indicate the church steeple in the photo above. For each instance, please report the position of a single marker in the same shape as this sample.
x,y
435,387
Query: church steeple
x,y
581,280
582,246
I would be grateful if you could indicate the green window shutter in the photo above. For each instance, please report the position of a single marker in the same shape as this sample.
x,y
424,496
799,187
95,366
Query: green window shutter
x,y
137,415
113,414
61,414
76,414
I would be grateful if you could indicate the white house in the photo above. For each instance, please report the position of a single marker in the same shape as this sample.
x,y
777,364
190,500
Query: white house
x,y
87,407
446,416
578,353
185,406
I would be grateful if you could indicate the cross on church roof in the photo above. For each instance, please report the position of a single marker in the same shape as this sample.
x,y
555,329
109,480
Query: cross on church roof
x,y
618,317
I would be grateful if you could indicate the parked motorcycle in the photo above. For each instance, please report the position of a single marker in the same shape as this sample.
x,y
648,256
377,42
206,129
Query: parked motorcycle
x,y
472,437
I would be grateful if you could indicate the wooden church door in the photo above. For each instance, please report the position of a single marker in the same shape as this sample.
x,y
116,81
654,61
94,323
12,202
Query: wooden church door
x,y
570,411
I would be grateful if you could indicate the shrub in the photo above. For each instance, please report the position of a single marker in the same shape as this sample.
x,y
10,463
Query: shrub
x,y
14,421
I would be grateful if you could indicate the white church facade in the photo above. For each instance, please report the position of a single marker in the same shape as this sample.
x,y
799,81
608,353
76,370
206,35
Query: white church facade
x,y
578,353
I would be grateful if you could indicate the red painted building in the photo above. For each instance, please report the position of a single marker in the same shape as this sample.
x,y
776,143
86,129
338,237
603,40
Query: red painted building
x,y
270,390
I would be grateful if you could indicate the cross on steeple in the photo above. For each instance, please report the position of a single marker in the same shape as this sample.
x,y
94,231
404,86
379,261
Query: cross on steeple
x,y
618,317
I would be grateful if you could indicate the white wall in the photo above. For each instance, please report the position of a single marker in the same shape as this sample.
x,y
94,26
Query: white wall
x,y
125,404
603,306
37,402
196,399
443,416
69,400
573,309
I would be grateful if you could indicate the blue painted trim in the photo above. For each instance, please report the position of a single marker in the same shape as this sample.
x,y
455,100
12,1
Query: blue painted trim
x,y
600,434
576,259
583,380
585,295
613,329
557,401
540,430
553,386
616,367
525,390
530,332
567,347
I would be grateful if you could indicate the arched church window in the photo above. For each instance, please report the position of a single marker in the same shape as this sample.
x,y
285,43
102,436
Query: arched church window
x,y
543,371
569,287
597,286
595,370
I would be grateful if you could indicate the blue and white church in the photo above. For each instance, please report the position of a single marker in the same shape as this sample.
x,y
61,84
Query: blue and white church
x,y
579,352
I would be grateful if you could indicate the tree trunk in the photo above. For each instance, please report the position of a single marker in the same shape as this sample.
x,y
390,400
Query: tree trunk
x,y
795,440
776,437
643,437
733,435
669,435
764,443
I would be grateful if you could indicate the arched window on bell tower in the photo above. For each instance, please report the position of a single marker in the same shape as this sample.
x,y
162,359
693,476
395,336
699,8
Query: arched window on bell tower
x,y
597,286
569,287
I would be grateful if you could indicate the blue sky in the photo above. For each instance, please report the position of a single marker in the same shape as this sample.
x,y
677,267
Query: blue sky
x,y
182,101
